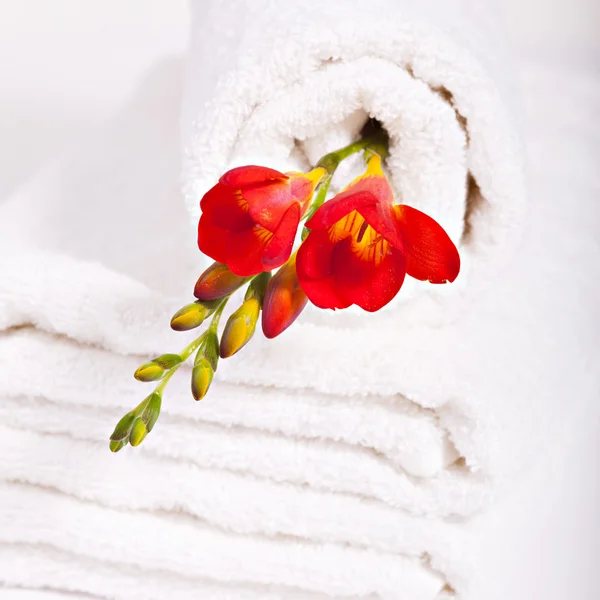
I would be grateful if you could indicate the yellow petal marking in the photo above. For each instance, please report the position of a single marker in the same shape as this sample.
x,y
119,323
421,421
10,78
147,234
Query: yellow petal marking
x,y
367,243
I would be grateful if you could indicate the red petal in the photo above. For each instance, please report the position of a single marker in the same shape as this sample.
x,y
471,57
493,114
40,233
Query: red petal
x,y
284,300
379,215
245,250
241,251
365,190
314,269
381,218
368,284
251,175
314,255
212,240
224,209
323,293
430,253
303,188
338,207
377,185
279,248
267,203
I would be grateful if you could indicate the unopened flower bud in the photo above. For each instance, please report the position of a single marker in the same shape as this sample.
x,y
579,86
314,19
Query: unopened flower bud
x,y
138,432
152,410
209,350
284,300
191,316
115,446
123,428
167,361
216,282
202,376
149,371
240,328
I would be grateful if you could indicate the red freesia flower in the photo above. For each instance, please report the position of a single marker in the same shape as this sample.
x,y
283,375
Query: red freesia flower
x,y
250,218
362,245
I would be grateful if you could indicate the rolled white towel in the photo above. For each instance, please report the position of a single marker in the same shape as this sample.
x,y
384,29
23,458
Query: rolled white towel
x,y
281,84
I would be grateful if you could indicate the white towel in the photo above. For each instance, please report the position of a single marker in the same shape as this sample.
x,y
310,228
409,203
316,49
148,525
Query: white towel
x,y
283,83
353,479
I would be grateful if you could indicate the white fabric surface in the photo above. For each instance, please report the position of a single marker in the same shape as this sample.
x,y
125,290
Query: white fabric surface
x,y
287,494
282,84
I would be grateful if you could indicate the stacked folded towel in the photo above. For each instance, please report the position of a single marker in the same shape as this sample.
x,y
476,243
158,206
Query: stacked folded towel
x,y
349,458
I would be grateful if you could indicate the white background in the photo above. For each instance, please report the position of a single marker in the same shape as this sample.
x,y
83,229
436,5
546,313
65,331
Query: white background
x,y
65,64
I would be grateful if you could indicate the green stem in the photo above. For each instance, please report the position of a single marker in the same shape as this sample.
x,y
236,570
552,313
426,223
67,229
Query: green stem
x,y
185,354
214,324
190,348
320,198
331,161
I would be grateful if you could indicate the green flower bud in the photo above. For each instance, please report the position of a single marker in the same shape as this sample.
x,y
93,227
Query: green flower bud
x,y
202,376
193,315
115,446
167,361
138,432
189,317
123,428
149,371
209,350
240,327
152,410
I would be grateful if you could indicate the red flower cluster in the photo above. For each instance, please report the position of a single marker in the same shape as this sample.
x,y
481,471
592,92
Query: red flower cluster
x,y
357,249
360,246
